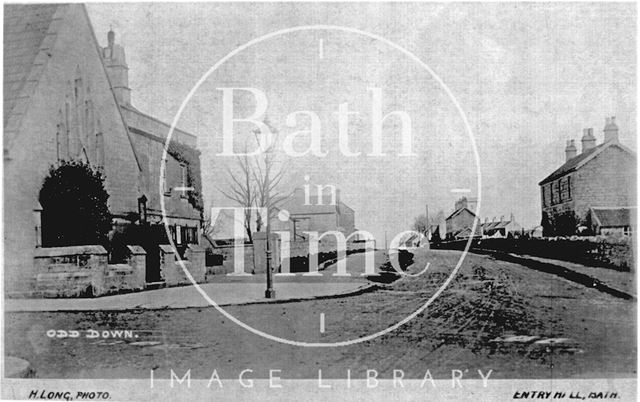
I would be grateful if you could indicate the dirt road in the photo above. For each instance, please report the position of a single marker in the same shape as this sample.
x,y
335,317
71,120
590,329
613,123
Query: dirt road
x,y
495,315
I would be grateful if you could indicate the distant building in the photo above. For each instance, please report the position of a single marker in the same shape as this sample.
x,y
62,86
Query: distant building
x,y
501,228
608,221
315,214
460,222
601,176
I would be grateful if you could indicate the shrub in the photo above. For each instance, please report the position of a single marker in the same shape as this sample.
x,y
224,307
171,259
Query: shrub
x,y
74,206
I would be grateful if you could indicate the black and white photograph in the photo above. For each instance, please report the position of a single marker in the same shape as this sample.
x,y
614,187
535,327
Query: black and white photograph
x,y
359,201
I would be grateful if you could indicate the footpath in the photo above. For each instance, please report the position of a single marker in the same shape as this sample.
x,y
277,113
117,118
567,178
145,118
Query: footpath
x,y
223,294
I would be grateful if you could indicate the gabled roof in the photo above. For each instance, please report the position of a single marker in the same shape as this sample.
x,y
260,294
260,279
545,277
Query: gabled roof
x,y
25,28
577,162
458,211
295,205
140,121
613,217
29,36
224,225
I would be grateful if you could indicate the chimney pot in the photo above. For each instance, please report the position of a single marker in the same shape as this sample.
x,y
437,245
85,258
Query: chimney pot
x,y
588,139
610,129
570,151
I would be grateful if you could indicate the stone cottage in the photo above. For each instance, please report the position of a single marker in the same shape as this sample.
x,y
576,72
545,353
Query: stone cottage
x,y
600,176
460,222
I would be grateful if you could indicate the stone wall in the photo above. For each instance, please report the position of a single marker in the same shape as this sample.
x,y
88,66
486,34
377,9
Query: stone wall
x,y
172,270
70,271
229,257
129,276
596,251
30,143
83,271
609,180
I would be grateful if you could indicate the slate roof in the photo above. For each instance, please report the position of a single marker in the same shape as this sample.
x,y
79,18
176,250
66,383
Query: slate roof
x,y
613,217
295,206
572,164
29,35
25,29
458,211
140,121
577,162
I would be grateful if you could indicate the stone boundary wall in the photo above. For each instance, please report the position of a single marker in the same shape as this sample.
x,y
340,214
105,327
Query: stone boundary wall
x,y
298,250
596,251
129,276
77,271
228,258
172,270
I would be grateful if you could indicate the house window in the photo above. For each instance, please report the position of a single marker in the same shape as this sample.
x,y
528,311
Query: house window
x,y
178,234
554,193
166,190
568,187
544,196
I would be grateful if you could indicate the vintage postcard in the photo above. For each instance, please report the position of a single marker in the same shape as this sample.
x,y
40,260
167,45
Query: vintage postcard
x,y
319,201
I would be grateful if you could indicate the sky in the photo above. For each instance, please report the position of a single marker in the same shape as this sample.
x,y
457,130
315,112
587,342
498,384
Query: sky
x,y
528,77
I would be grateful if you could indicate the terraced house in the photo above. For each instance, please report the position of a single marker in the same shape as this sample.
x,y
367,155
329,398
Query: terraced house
x,y
598,181
68,98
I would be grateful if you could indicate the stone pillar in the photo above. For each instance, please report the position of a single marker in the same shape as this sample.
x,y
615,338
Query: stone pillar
x,y
98,264
137,259
260,251
196,255
167,259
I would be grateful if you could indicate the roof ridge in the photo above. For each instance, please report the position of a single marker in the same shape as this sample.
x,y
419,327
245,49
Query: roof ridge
x,y
14,114
578,161
104,69
147,115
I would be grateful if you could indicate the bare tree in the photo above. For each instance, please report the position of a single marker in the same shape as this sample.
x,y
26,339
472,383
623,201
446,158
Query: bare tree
x,y
421,224
268,174
257,181
241,188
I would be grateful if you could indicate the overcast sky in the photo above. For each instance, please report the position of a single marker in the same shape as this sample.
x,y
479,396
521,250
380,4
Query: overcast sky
x,y
528,77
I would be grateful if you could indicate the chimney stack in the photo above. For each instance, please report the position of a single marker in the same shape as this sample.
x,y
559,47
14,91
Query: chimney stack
x,y
588,139
610,129
461,203
570,151
117,69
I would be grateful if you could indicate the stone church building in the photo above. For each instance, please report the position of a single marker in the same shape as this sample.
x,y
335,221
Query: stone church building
x,y
600,177
66,97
